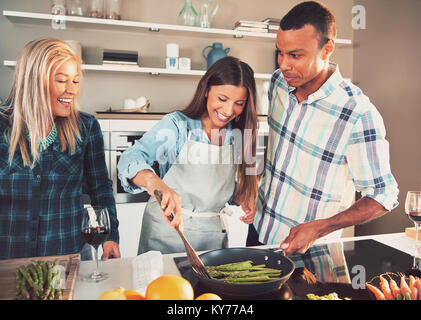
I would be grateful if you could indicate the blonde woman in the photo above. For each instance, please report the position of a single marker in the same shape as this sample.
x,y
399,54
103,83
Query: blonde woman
x,y
47,149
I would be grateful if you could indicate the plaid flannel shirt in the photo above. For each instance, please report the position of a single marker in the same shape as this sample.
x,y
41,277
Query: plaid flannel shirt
x,y
41,207
319,152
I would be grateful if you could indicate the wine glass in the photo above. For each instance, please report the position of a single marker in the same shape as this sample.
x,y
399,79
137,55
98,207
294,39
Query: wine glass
x,y
95,230
413,210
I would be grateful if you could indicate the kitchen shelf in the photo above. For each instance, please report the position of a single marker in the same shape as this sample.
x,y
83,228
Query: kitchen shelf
x,y
125,25
151,71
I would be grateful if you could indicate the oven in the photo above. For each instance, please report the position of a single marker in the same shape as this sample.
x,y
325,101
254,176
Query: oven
x,y
118,142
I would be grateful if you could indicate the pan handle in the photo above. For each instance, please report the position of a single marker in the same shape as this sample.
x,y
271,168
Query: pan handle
x,y
279,250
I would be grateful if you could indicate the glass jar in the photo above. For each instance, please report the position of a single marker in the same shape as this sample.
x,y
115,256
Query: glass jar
x,y
58,7
188,16
96,8
75,8
113,9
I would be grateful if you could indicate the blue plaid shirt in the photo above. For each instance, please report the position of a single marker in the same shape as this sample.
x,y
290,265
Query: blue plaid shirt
x,y
319,152
41,207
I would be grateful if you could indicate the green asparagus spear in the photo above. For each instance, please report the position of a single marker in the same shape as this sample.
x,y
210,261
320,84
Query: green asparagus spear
x,y
58,294
18,285
247,280
44,267
243,271
49,282
243,274
32,283
236,266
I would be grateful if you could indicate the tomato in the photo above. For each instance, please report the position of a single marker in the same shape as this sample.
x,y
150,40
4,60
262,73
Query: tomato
x,y
169,287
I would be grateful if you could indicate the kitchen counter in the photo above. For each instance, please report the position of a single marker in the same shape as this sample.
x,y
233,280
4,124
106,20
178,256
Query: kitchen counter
x,y
121,274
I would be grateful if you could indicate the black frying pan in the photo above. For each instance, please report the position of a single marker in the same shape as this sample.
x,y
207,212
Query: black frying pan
x,y
258,256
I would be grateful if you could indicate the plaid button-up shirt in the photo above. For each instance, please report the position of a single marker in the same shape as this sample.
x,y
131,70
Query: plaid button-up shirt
x,y
319,152
41,207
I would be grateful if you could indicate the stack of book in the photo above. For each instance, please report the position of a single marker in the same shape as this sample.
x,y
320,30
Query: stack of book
x,y
251,26
273,24
120,57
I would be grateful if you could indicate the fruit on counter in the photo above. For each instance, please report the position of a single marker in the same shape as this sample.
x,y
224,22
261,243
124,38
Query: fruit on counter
x,y
134,295
208,296
113,294
121,294
169,287
243,272
166,287
330,296
391,291
39,280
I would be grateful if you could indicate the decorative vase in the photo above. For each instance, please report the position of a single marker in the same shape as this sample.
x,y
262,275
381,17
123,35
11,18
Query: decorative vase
x,y
188,16
216,53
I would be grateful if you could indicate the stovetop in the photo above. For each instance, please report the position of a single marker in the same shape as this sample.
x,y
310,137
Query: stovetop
x,y
368,256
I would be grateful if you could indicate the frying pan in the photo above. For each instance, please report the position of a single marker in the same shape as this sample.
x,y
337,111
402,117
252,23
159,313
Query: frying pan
x,y
259,256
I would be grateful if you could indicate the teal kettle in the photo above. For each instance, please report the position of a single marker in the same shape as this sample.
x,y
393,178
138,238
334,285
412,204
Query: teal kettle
x,y
215,54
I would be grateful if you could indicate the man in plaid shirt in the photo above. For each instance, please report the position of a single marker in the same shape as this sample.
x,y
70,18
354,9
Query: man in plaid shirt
x,y
326,140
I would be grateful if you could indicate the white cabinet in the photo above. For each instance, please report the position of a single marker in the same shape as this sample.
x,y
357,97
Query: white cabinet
x,y
130,217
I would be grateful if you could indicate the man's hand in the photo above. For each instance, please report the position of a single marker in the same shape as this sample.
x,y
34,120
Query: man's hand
x,y
111,250
302,237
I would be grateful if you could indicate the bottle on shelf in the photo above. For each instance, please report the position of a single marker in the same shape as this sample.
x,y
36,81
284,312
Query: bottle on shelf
x,y
58,7
113,9
75,8
188,16
96,8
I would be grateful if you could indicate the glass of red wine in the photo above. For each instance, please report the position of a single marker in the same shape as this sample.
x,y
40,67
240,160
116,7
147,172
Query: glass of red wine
x,y
413,210
95,230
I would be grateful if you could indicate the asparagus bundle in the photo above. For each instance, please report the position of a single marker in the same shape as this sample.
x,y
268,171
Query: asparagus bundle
x,y
38,281
243,272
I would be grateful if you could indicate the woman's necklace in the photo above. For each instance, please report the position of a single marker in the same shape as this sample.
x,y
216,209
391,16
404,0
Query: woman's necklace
x,y
44,143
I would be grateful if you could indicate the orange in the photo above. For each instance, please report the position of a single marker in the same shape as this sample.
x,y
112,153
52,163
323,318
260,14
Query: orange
x,y
133,295
208,296
169,287
113,294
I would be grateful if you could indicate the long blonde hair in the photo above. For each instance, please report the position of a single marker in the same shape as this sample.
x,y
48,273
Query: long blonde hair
x,y
29,105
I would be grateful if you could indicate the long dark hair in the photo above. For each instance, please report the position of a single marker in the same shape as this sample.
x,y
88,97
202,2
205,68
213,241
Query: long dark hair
x,y
232,71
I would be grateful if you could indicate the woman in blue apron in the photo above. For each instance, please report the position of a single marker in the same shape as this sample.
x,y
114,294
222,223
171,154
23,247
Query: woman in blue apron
x,y
206,155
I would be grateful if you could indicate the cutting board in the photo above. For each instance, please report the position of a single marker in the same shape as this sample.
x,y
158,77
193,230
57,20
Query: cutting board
x,y
70,262
410,232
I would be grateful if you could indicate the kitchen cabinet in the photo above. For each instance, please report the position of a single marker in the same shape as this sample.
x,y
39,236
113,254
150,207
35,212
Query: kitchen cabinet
x,y
130,217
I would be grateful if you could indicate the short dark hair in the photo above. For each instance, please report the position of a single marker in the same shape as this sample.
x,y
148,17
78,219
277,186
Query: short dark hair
x,y
312,13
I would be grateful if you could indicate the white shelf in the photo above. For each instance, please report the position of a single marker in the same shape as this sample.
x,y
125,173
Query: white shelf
x,y
151,71
109,24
